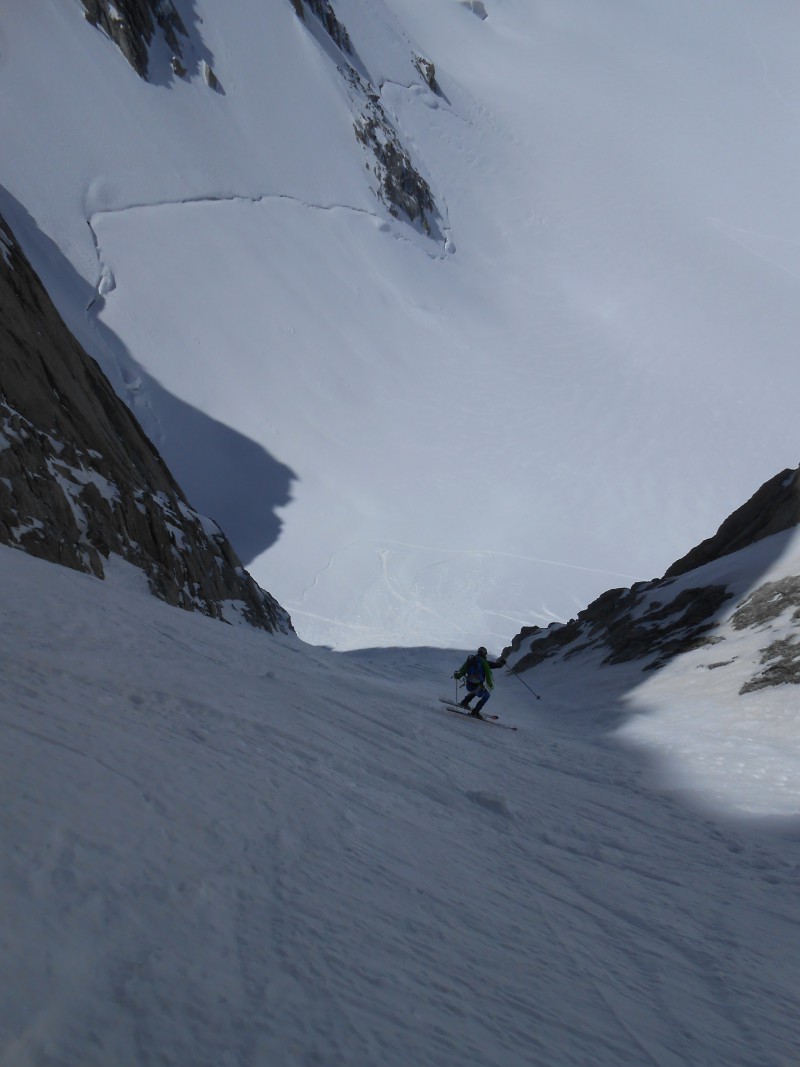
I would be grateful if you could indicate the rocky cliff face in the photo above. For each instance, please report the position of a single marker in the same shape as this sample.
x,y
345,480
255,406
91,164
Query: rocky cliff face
x,y
78,478
654,621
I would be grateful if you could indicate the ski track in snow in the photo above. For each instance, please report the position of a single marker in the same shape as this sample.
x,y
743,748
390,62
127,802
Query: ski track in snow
x,y
226,848
416,603
746,238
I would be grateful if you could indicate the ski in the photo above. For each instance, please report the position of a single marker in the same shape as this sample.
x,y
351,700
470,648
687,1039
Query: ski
x,y
454,706
492,720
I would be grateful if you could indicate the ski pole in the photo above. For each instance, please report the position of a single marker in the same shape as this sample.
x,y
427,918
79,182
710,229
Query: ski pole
x,y
525,684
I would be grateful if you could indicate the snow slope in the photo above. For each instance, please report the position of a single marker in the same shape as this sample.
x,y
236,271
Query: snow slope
x,y
223,847
433,441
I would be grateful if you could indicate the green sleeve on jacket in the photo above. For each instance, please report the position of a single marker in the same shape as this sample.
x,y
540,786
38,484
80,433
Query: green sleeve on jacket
x,y
489,678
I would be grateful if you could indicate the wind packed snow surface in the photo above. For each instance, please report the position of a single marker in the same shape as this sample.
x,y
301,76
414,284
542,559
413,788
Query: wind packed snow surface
x,y
228,848
433,440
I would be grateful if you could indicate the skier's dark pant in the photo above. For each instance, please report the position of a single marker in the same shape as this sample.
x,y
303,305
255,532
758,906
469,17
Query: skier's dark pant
x,y
479,690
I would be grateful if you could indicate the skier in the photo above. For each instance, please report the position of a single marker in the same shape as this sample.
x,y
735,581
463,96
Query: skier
x,y
478,672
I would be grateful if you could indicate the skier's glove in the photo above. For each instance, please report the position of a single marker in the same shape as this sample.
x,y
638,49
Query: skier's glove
x,y
455,674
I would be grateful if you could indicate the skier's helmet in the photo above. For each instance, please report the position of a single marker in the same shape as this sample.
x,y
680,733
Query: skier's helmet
x,y
482,651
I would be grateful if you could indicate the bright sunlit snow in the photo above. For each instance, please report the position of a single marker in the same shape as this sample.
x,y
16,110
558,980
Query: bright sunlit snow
x,y
222,847
433,441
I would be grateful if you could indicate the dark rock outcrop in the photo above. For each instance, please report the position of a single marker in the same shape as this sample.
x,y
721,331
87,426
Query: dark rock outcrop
x,y
771,509
78,478
428,72
781,663
131,25
765,605
330,23
210,78
400,186
655,621
631,624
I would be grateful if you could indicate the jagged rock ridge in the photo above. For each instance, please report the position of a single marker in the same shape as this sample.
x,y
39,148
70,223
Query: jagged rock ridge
x,y
772,508
400,186
78,478
655,621
631,624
